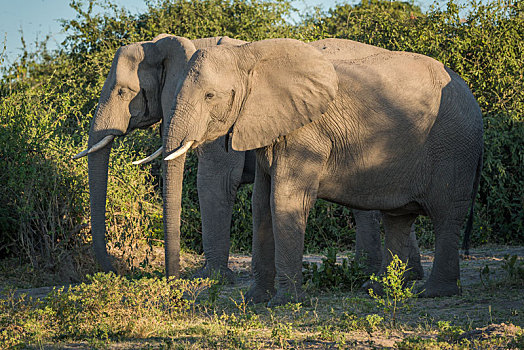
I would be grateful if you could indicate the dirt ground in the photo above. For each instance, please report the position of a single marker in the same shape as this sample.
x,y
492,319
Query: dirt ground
x,y
470,267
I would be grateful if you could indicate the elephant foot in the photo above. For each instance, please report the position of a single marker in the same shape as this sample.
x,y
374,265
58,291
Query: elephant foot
x,y
430,290
257,295
374,286
415,270
223,274
284,297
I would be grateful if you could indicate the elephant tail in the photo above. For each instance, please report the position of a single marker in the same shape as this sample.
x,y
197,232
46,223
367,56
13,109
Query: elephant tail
x,y
466,240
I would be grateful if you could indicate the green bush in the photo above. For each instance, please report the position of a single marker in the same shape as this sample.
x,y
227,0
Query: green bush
x,y
48,99
348,275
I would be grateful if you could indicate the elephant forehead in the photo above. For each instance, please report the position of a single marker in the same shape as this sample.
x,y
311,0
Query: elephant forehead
x,y
127,76
127,63
130,55
212,60
210,74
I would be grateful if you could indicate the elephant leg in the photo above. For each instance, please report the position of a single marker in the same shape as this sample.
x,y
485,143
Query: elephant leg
x,y
250,163
218,178
416,271
445,273
263,257
368,244
398,230
290,206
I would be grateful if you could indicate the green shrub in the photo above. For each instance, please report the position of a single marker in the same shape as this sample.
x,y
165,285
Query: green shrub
x,y
393,284
514,268
348,275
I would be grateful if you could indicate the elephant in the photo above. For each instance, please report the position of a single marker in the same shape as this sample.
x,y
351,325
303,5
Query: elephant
x,y
240,167
397,132
219,172
137,94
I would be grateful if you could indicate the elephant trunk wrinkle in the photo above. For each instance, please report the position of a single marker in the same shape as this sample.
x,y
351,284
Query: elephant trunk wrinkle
x,y
183,130
173,133
173,174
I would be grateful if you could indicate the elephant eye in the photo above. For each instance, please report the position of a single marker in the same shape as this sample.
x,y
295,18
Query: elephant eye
x,y
209,95
125,94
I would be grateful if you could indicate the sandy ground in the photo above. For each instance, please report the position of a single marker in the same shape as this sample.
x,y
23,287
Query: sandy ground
x,y
493,256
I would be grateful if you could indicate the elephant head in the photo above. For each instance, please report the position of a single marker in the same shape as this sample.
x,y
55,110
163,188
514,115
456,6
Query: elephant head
x,y
255,93
137,93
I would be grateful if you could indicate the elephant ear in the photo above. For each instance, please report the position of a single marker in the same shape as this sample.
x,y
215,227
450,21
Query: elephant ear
x,y
289,85
175,53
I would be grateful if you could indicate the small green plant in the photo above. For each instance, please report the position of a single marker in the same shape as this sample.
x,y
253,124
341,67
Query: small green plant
x,y
448,332
418,343
331,333
246,318
485,276
242,304
280,332
193,288
396,296
349,322
213,292
372,322
349,275
514,268
518,341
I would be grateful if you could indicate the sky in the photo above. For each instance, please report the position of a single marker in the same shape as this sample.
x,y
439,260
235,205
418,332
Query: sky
x,y
37,18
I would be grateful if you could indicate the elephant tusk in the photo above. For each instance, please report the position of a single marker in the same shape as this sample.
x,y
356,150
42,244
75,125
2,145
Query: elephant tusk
x,y
81,154
101,144
150,158
179,151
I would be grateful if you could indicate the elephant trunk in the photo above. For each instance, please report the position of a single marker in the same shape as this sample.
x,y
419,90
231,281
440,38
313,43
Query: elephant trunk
x,y
105,127
177,141
173,176
98,165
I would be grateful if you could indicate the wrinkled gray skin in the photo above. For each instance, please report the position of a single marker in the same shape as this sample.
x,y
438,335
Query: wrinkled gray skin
x,y
396,132
138,90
